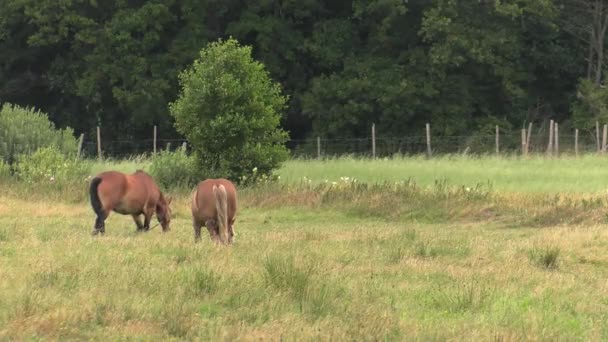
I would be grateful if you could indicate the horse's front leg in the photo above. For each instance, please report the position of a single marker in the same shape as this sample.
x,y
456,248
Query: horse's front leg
x,y
137,219
147,218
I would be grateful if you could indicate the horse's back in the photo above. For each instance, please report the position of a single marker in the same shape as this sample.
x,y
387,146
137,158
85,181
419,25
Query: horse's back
x,y
127,193
112,182
203,202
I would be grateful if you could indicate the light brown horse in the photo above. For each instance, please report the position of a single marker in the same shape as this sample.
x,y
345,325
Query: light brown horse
x,y
125,194
214,205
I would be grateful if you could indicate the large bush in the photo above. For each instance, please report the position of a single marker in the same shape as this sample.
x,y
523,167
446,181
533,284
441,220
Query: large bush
x,y
175,169
229,110
50,165
24,130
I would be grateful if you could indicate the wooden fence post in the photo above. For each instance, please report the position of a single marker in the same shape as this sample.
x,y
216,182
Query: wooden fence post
x,y
428,140
98,143
374,141
605,132
184,146
528,138
550,145
80,141
497,140
523,142
597,136
556,133
154,139
576,142
318,147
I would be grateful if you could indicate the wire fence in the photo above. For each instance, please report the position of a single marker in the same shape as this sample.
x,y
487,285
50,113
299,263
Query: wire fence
x,y
507,144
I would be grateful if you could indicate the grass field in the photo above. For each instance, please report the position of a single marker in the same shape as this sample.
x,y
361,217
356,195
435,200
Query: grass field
x,y
347,261
586,174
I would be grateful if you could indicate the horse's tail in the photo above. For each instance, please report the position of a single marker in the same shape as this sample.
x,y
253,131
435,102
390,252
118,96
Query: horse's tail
x,y
221,205
194,196
95,201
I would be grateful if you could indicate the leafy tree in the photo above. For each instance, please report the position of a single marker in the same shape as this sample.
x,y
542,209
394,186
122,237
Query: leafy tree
x,y
229,110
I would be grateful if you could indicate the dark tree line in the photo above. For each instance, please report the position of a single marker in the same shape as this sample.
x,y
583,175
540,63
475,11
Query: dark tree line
x,y
464,66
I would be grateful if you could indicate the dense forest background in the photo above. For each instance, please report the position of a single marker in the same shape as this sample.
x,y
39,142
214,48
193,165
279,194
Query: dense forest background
x,y
464,66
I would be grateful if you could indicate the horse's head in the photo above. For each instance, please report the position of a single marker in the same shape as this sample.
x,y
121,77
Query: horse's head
x,y
163,212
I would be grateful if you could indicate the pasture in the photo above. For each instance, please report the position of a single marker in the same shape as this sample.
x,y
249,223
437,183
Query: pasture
x,y
502,249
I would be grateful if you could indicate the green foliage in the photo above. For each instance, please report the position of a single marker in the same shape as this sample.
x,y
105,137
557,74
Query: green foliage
x,y
50,165
5,170
591,104
229,110
24,130
175,169
344,64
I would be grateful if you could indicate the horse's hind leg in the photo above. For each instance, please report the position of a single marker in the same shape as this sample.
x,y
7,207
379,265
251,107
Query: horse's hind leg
x,y
197,230
137,220
231,232
100,225
213,229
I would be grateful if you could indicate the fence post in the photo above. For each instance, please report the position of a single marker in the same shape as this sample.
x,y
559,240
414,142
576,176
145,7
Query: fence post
x,y
184,146
528,138
98,143
550,145
576,142
80,141
318,147
523,142
497,140
604,138
597,136
556,139
374,141
428,140
154,139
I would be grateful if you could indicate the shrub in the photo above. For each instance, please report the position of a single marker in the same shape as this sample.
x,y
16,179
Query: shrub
x,y
24,130
175,169
230,110
545,257
591,104
48,164
5,170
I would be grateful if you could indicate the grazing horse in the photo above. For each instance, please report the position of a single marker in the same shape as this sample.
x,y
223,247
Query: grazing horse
x,y
214,205
125,194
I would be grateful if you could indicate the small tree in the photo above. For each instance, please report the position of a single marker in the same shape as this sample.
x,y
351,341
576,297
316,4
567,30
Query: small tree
x,y
230,110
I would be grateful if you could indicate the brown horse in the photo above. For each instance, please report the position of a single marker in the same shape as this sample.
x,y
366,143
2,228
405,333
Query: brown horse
x,y
214,205
133,194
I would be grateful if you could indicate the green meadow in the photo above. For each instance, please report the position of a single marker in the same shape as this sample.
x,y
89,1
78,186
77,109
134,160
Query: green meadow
x,y
455,248
586,174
